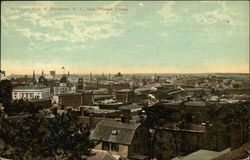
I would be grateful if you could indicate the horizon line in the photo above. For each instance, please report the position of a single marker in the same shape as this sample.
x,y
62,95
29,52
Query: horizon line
x,y
134,73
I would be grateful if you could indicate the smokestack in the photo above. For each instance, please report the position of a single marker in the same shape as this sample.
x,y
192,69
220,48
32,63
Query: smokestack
x,y
91,120
125,118
82,111
91,78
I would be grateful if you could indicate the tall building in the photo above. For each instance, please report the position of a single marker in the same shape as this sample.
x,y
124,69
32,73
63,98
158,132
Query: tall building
x,y
53,74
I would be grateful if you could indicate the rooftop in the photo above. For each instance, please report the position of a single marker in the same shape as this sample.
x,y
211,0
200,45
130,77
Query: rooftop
x,y
100,155
124,131
202,155
30,87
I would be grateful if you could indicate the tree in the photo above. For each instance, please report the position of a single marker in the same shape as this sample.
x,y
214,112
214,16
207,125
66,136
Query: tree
x,y
54,136
5,92
18,107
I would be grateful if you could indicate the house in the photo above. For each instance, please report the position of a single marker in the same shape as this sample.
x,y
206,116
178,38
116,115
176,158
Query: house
x,y
128,140
30,92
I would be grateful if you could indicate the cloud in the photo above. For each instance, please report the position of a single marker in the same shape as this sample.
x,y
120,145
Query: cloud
x,y
229,15
66,27
141,4
169,16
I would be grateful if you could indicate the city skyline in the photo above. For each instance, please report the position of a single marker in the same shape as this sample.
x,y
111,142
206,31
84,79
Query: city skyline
x,y
126,37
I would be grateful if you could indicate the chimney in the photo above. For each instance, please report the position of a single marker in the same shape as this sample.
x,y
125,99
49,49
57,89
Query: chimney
x,y
125,118
236,135
91,120
207,124
82,111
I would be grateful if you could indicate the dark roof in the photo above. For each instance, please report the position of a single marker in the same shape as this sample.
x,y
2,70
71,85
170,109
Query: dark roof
x,y
123,133
63,79
30,87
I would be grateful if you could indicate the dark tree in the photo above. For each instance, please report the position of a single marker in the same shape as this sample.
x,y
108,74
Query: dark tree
x,y
5,92
54,136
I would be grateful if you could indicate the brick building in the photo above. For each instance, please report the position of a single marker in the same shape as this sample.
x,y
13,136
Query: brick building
x,y
125,95
75,99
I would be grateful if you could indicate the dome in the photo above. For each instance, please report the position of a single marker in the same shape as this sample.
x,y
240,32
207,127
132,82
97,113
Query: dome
x,y
63,80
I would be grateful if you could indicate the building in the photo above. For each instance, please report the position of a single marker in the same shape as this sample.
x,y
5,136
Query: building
x,y
80,84
30,92
127,140
53,74
125,95
64,87
41,103
23,81
202,155
42,80
75,99
188,106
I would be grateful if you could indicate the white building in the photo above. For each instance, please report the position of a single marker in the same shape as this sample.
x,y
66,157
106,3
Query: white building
x,y
30,92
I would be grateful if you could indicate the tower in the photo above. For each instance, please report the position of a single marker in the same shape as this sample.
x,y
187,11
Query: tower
x,y
91,78
34,77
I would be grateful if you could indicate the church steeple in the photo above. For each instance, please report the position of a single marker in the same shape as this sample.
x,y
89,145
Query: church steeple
x,y
42,72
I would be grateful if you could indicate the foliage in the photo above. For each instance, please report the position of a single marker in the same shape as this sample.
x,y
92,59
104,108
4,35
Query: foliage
x,y
40,136
167,145
5,92
157,116
18,107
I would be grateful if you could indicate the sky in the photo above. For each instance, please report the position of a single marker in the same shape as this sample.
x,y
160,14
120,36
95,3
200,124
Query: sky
x,y
127,37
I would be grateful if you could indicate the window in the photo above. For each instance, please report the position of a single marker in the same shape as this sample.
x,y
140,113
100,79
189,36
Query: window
x,y
114,147
105,146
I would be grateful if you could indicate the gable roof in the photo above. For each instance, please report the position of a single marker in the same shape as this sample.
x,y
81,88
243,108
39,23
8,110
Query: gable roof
x,y
115,132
